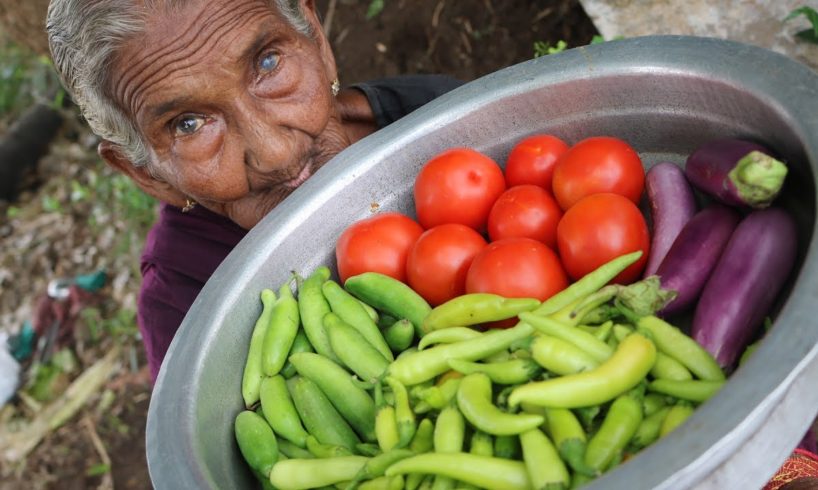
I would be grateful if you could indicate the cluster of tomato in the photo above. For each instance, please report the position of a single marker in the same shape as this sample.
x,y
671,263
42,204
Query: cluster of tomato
x,y
551,215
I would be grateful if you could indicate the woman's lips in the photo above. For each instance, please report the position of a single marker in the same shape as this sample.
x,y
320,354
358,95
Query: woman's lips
x,y
305,173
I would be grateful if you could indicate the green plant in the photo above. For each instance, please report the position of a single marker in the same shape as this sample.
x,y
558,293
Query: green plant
x,y
809,35
116,201
375,8
543,48
26,78
121,326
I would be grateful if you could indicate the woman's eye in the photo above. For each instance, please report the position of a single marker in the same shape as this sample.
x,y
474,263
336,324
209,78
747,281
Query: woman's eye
x,y
268,62
188,125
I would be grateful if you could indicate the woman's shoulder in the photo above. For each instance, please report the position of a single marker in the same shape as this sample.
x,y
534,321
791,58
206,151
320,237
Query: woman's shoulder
x,y
394,97
192,244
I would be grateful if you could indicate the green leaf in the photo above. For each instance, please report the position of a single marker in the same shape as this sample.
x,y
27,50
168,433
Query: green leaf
x,y
559,48
12,212
812,16
807,35
98,470
542,48
597,39
375,8
51,204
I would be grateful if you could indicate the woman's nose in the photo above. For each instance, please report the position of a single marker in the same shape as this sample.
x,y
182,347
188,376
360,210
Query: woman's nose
x,y
267,144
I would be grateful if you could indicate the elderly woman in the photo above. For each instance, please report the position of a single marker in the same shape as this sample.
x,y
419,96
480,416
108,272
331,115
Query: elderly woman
x,y
219,109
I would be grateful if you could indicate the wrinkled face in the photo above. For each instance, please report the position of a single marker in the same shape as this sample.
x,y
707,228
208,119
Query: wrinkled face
x,y
234,104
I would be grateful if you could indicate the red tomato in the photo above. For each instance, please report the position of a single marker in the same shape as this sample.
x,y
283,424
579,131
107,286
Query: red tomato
x,y
517,268
377,244
598,164
457,186
437,264
525,211
599,228
532,160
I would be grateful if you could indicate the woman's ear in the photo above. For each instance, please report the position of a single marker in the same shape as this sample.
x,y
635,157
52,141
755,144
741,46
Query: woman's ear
x,y
113,156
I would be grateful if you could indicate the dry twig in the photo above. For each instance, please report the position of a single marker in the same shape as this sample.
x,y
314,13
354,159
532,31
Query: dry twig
x,y
107,481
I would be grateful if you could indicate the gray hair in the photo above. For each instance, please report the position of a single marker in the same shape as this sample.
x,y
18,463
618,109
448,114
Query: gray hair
x,y
84,37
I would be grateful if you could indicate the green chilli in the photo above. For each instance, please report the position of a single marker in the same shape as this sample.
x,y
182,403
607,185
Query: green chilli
x,y
588,284
481,444
474,401
400,335
667,367
313,306
474,309
648,430
424,437
290,450
253,372
377,465
507,447
450,432
300,344
426,364
320,418
404,416
279,410
383,483
673,342
351,401
584,340
354,350
368,449
447,336
653,402
561,357
388,294
691,390
372,312
257,442
301,474
282,331
439,396
569,438
349,309
545,468
617,429
386,425
628,366
676,416
511,372
482,471
320,450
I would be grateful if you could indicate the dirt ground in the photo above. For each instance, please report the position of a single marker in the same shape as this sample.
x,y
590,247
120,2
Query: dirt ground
x,y
464,38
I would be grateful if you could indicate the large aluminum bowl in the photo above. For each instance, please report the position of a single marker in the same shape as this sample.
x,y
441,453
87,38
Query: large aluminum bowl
x,y
664,95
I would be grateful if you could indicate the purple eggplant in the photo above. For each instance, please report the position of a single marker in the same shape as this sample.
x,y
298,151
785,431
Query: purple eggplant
x,y
736,172
672,204
743,286
695,253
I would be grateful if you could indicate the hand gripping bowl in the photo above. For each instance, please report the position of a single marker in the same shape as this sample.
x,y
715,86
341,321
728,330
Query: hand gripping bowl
x,y
662,94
